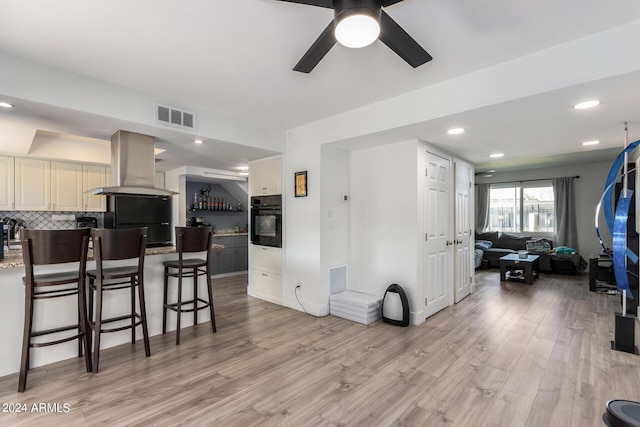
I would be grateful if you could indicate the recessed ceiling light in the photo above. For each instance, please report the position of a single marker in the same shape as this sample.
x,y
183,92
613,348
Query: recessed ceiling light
x,y
455,131
487,175
495,155
491,171
198,141
6,105
586,104
591,142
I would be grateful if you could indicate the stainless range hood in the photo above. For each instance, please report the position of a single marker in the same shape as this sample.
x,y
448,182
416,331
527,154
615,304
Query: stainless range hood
x,y
133,166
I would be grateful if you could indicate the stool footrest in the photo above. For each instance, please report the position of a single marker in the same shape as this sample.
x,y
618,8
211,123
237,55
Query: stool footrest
x,y
174,306
57,293
186,272
117,319
53,331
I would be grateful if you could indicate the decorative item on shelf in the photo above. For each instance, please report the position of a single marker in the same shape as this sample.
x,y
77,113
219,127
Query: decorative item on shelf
x,y
301,184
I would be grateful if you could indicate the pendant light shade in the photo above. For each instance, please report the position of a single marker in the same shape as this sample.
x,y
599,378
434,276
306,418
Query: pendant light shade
x,y
357,22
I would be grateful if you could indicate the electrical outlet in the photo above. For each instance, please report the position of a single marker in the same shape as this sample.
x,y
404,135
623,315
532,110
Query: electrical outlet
x,y
299,284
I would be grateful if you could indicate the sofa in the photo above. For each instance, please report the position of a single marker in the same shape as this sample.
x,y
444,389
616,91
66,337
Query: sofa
x,y
495,245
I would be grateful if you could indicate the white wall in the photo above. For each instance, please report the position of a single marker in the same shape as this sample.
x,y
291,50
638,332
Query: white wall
x,y
334,217
383,223
301,238
80,93
588,189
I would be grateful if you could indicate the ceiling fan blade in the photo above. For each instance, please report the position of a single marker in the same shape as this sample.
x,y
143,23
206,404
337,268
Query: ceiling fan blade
x,y
317,51
401,43
387,3
320,3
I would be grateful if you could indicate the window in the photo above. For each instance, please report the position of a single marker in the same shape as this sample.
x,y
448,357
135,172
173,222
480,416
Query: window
x,y
522,208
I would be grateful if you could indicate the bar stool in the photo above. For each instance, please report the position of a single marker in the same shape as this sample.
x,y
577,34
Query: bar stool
x,y
47,247
110,246
189,240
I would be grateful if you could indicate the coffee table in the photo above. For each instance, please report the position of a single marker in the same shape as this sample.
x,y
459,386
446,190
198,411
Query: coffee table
x,y
528,266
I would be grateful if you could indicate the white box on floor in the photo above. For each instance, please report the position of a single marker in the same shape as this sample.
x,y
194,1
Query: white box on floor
x,y
356,306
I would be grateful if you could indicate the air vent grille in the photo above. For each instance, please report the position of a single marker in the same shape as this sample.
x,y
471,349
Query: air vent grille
x,y
175,117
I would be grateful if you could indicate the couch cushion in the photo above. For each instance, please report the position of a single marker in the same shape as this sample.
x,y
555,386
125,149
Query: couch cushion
x,y
511,241
491,236
483,244
540,245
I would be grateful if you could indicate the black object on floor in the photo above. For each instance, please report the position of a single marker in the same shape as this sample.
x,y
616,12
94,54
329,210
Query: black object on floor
x,y
622,413
394,298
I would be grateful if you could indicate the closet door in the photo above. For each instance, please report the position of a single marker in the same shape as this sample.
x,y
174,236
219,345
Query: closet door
x,y
438,226
463,268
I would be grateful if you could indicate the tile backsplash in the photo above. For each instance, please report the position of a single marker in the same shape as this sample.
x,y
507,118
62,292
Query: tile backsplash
x,y
43,220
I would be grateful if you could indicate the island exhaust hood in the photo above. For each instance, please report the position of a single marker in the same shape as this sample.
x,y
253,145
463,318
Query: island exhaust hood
x,y
133,166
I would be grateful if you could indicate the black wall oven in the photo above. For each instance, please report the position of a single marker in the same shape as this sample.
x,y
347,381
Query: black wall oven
x,y
266,220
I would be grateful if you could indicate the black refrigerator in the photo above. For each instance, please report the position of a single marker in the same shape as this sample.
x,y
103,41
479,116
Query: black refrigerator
x,y
132,211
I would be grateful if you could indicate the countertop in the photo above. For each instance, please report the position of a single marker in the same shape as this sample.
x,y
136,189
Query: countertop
x,y
226,233
13,257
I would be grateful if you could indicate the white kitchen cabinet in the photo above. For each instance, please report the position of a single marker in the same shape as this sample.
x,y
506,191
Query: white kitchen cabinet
x,y
265,176
266,258
42,185
66,186
266,286
93,177
265,279
7,201
32,185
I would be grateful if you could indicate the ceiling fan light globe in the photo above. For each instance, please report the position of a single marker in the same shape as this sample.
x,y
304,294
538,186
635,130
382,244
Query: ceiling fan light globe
x,y
357,30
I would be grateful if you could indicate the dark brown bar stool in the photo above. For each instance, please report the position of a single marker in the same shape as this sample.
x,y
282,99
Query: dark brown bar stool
x,y
46,247
189,240
110,246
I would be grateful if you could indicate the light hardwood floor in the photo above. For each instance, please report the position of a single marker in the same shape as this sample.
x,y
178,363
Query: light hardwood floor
x,y
508,355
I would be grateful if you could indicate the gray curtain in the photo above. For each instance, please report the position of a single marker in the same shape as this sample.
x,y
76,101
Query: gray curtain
x,y
565,206
482,207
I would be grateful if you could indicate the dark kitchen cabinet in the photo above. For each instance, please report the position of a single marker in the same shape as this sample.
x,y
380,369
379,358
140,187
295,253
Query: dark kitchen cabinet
x,y
241,253
234,256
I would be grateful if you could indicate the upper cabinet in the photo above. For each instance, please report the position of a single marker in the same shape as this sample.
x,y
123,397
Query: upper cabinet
x,y
265,176
7,202
42,185
32,185
93,177
66,186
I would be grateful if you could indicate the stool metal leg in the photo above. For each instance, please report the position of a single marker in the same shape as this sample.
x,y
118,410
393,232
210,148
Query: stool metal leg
x,y
84,322
179,307
164,300
133,310
98,326
195,296
26,338
143,315
210,292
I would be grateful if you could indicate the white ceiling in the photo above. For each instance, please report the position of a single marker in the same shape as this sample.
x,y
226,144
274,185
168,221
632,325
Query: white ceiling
x,y
235,59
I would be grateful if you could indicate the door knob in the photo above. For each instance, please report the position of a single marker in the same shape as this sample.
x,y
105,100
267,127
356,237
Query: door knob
x,y
458,242
449,243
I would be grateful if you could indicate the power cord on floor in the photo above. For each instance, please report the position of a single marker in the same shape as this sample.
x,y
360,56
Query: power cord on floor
x,y
299,302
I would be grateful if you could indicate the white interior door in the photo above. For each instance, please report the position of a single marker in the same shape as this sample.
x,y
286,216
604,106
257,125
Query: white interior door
x,y
438,245
463,264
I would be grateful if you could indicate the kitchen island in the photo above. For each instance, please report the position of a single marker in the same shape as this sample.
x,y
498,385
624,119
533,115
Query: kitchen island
x,y
57,312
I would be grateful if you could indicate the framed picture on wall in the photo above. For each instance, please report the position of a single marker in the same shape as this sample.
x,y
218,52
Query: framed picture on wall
x,y
301,184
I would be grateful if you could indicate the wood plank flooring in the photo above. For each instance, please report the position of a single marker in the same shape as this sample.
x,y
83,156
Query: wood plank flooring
x,y
508,355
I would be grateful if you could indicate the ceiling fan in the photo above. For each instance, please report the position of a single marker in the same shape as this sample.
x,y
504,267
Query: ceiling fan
x,y
358,23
